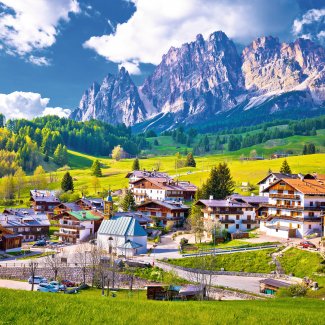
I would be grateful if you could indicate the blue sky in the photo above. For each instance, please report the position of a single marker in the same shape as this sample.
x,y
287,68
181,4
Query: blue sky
x,y
52,50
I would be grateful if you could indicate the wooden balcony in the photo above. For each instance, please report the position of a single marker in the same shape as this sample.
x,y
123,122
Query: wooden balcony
x,y
284,196
284,206
61,234
67,226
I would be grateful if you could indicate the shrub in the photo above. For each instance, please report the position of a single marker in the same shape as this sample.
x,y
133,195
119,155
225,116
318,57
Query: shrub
x,y
184,241
297,290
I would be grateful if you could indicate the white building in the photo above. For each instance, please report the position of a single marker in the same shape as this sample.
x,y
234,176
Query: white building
x,y
122,236
78,226
272,178
234,216
295,208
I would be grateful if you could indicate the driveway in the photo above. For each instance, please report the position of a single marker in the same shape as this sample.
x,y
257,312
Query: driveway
x,y
18,285
249,284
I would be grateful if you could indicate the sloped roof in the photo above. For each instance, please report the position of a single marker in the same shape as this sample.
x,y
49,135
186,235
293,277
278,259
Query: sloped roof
x,y
28,220
130,245
171,205
223,203
307,186
279,176
253,199
84,215
122,226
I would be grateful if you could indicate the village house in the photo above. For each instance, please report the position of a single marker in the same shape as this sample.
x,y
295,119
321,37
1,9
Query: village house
x,y
78,226
122,236
66,207
32,226
90,203
233,215
162,188
295,207
9,242
141,217
271,178
43,200
164,213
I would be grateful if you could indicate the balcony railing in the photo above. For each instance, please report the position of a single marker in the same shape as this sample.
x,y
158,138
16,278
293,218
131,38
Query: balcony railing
x,y
69,226
61,234
284,206
284,196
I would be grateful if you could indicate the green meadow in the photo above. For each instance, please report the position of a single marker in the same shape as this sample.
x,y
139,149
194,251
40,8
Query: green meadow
x,y
24,307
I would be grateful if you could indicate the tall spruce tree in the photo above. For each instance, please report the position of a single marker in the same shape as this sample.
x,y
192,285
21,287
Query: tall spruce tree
x,y
219,184
96,169
67,182
285,168
128,202
136,164
190,161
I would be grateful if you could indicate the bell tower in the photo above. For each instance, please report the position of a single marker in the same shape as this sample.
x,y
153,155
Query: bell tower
x,y
108,206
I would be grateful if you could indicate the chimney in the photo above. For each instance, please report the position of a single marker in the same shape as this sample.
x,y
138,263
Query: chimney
x,y
84,214
211,197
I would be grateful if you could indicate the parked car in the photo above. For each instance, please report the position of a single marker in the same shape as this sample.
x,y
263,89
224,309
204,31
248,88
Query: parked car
x,y
37,279
47,287
307,244
69,283
56,284
40,243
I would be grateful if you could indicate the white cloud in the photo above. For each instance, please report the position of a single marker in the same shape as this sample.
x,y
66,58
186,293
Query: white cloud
x,y
311,25
29,25
28,105
158,25
131,67
41,60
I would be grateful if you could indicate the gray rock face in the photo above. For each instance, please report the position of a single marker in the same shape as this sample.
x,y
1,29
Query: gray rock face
x,y
116,100
208,79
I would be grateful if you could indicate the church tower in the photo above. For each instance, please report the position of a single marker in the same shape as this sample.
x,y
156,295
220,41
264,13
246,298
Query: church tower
x,y
108,206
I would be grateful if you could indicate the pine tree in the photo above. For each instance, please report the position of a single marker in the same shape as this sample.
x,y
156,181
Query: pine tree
x,y
67,182
136,164
128,202
285,168
60,155
96,169
190,161
219,184
304,151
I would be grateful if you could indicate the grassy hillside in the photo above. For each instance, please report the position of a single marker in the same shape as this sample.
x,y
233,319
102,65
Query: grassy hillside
x,y
18,307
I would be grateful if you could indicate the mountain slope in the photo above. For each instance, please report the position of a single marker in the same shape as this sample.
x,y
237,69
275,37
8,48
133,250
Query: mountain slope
x,y
116,100
208,80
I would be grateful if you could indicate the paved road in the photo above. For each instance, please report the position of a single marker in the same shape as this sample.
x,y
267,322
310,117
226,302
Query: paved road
x,y
250,284
18,285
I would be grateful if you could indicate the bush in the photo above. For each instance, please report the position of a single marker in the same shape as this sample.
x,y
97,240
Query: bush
x,y
184,241
297,290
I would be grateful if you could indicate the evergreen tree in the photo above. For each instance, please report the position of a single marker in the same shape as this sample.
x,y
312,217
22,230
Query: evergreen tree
x,y
136,164
311,149
219,184
304,150
128,202
285,168
96,169
60,155
67,182
190,162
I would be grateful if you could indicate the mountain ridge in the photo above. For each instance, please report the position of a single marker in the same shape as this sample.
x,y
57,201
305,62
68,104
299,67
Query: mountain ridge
x,y
207,79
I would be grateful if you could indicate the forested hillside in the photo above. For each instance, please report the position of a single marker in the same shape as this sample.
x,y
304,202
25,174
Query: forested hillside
x,y
27,143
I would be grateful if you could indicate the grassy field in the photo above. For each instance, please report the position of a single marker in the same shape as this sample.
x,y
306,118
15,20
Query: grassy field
x,y
305,264
114,171
15,308
256,262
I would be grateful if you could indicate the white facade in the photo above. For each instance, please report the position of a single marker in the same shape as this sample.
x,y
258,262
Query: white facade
x,y
292,213
76,231
113,243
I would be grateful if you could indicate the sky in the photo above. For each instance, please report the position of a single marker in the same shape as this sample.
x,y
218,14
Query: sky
x,y
52,50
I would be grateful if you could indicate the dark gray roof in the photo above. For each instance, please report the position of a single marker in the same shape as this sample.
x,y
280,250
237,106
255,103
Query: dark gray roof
x,y
139,216
223,203
279,176
44,196
275,283
36,220
251,199
171,205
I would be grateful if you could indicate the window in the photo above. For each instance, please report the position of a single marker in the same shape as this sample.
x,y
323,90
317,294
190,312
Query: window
x,y
237,226
248,226
309,227
310,214
311,204
226,226
237,217
298,226
282,184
